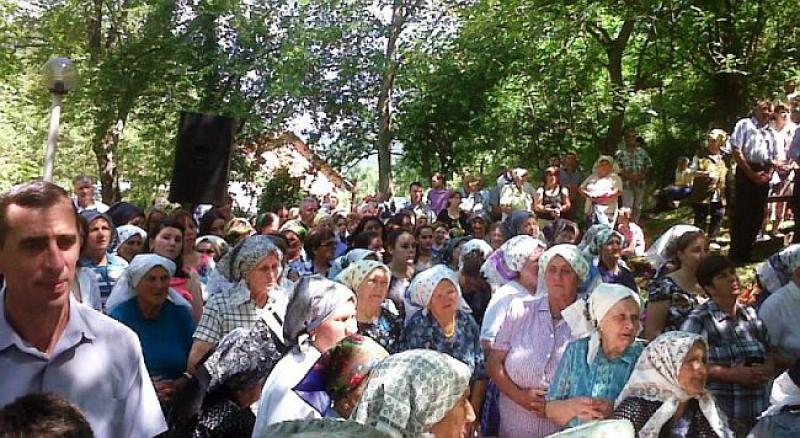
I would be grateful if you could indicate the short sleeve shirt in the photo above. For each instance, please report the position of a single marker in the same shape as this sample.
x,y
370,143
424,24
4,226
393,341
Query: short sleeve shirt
x,y
634,160
97,365
756,142
732,339
223,313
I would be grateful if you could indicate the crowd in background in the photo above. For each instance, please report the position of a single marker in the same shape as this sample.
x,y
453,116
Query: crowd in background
x,y
528,308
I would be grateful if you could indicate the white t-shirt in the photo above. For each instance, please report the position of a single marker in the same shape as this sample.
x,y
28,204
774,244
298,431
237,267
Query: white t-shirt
x,y
498,307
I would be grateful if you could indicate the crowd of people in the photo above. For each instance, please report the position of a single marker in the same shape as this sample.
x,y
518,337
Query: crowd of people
x,y
513,311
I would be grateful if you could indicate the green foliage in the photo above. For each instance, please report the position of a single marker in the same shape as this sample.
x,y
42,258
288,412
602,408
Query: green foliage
x,y
282,188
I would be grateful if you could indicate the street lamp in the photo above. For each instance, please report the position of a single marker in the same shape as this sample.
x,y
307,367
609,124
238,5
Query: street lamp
x,y
60,77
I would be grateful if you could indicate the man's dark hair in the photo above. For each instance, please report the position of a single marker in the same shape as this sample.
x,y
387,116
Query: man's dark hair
x,y
34,194
43,416
710,267
414,184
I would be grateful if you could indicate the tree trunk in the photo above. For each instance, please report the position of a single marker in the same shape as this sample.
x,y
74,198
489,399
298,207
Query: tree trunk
x,y
385,98
105,149
615,50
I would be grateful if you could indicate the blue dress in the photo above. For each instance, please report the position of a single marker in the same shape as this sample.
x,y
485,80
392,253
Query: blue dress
x,y
604,378
165,340
423,331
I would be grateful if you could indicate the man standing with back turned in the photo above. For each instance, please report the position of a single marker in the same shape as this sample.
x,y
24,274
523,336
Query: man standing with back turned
x,y
49,342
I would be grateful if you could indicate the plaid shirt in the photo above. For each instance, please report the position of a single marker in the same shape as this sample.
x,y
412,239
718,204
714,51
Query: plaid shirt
x,y
223,313
731,340
635,160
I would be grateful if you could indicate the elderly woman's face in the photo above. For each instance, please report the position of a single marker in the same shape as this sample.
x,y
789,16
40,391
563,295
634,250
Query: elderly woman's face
x,y
620,326
168,243
263,278
529,227
374,289
444,300
206,248
693,372
560,278
153,287
99,235
454,423
131,247
339,325
612,249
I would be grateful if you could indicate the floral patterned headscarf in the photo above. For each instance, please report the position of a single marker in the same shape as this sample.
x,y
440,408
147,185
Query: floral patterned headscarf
x,y
505,263
571,254
340,371
355,274
422,286
409,392
341,263
655,378
243,358
474,245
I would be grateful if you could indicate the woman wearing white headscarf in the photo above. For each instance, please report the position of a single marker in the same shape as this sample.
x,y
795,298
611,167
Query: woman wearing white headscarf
x,y
245,287
513,271
130,241
596,366
666,394
530,343
160,316
320,314
778,270
443,326
417,393
376,314
474,288
782,418
673,296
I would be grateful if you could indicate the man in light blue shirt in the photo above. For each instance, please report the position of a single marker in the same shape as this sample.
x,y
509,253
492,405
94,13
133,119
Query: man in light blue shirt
x,y
49,342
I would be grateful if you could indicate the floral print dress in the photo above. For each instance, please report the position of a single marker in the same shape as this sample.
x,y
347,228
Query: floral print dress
x,y
423,331
681,302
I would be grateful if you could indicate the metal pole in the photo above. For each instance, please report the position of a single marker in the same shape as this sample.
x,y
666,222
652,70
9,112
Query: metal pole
x,y
52,136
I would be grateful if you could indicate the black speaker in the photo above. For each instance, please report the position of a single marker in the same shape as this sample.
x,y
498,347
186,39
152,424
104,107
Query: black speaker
x,y
202,158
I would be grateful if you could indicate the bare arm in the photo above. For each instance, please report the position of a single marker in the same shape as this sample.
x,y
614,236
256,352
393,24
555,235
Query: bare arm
x,y
198,351
656,319
196,289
